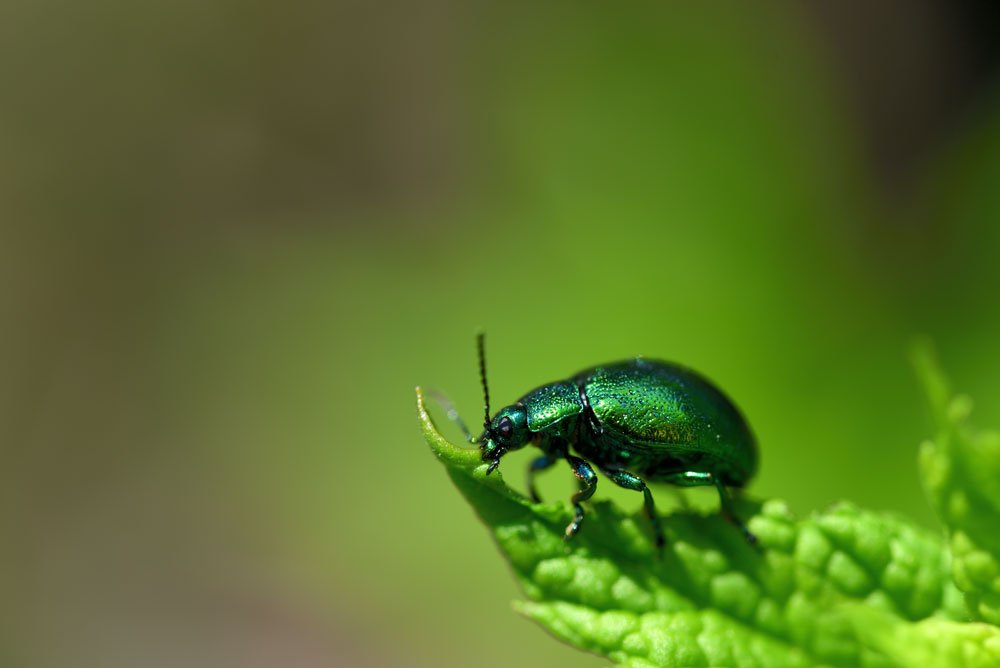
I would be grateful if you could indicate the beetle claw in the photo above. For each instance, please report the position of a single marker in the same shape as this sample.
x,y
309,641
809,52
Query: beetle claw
x,y
493,466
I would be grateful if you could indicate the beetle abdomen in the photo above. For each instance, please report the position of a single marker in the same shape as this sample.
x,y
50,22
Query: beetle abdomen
x,y
664,417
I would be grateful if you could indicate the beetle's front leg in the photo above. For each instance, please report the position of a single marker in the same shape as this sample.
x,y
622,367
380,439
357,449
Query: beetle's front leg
x,y
588,483
538,464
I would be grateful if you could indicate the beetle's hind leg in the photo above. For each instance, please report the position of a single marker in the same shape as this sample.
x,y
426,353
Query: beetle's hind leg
x,y
536,465
588,483
629,481
698,478
730,515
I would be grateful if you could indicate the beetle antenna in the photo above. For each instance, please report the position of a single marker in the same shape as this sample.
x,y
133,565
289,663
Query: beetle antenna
x,y
451,412
481,344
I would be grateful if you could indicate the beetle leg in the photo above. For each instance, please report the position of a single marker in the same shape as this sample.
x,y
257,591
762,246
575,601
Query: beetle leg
x,y
697,478
538,464
690,479
729,515
629,481
588,483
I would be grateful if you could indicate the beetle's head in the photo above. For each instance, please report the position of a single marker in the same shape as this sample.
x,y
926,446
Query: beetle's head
x,y
508,430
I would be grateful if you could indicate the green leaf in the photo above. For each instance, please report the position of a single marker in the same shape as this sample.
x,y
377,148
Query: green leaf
x,y
960,468
712,599
931,642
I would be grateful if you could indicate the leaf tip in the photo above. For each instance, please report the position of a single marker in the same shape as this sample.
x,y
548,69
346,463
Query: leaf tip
x,y
444,449
925,363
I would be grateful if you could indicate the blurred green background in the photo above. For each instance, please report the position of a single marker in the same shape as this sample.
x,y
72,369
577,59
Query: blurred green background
x,y
235,235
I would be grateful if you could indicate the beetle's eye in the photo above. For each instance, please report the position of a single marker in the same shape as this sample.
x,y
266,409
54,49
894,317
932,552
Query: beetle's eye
x,y
506,427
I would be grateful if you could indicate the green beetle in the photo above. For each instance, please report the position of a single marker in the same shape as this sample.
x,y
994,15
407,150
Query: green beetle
x,y
637,421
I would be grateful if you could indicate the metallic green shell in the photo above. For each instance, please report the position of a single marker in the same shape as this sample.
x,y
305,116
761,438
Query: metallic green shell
x,y
550,404
657,418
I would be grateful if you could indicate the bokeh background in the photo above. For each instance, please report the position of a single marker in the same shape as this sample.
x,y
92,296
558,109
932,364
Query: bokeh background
x,y
235,235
